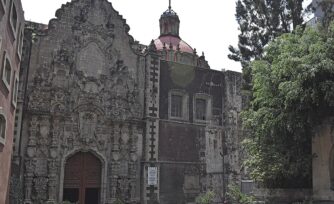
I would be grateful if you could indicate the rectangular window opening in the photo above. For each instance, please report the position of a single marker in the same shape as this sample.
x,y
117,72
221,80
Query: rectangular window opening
x,y
200,109
15,91
8,71
2,8
176,106
2,127
14,17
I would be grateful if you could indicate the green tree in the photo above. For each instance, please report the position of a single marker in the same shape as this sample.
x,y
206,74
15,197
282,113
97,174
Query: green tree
x,y
293,89
260,21
236,196
206,198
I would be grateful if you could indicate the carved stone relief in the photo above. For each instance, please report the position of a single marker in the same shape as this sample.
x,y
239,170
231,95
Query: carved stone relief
x,y
42,169
95,112
83,96
91,61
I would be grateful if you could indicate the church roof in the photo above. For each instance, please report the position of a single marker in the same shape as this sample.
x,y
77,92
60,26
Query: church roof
x,y
169,33
176,42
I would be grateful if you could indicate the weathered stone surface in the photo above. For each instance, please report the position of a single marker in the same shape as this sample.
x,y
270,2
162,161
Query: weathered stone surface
x,y
91,88
323,161
84,95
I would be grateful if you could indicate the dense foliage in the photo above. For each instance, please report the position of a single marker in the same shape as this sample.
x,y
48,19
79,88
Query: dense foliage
x,y
260,21
236,196
293,90
206,198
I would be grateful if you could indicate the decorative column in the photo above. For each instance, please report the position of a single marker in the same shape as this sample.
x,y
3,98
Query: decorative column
x,y
53,169
30,167
151,192
133,164
114,163
30,162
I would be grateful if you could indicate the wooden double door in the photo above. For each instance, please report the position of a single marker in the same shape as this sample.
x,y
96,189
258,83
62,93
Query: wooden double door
x,y
82,179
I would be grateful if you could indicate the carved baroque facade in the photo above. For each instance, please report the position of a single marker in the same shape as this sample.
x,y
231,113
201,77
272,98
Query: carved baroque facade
x,y
90,88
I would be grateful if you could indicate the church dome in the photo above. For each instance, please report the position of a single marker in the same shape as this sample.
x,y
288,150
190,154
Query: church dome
x,y
169,33
176,42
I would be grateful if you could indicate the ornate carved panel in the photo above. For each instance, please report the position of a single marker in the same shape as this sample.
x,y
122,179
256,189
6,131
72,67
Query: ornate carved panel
x,y
83,96
91,60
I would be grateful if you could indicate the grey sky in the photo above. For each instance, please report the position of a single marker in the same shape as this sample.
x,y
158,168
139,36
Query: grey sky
x,y
208,26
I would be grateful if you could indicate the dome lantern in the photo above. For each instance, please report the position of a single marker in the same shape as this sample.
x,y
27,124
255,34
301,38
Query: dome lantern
x,y
169,22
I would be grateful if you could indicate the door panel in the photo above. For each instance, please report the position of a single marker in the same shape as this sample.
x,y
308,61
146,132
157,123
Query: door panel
x,y
82,178
71,194
92,196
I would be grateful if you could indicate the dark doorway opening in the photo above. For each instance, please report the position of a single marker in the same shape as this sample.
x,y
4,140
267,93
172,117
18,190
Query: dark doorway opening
x,y
71,194
92,196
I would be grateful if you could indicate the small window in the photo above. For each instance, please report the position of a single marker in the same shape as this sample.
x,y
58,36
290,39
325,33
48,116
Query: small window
x,y
20,42
176,106
14,16
7,72
2,127
200,109
13,19
165,28
2,8
15,91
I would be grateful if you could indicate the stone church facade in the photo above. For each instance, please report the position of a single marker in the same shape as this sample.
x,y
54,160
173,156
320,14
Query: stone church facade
x,y
106,118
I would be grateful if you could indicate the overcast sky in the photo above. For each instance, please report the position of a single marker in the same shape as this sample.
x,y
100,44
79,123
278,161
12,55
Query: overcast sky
x,y
208,26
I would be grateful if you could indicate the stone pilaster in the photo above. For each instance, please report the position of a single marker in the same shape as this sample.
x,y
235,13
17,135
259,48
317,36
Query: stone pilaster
x,y
28,181
151,193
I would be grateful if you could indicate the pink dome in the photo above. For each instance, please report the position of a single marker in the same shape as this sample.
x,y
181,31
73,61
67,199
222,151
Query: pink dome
x,y
175,41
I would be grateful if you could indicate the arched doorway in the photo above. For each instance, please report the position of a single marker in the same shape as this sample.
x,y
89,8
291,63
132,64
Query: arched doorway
x,y
82,179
